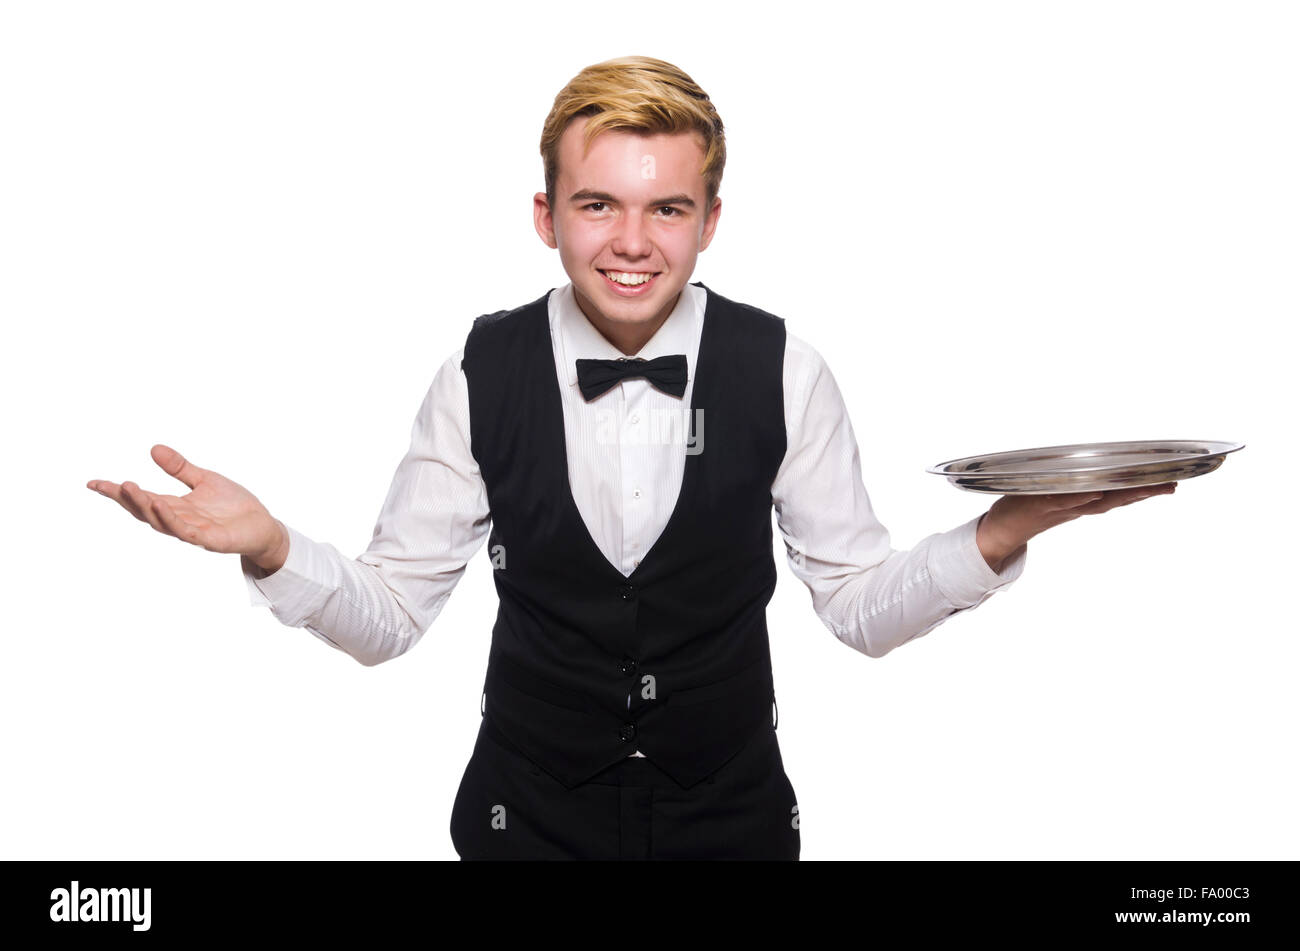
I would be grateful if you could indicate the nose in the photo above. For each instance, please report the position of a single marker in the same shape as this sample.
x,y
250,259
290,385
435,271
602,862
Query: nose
x,y
631,240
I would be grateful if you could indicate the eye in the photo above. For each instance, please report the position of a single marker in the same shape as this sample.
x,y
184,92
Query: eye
x,y
675,211
593,204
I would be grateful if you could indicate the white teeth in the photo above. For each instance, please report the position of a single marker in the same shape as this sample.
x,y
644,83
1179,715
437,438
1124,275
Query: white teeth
x,y
625,277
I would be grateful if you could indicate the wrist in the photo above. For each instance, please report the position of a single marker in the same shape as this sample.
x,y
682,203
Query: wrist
x,y
273,560
992,545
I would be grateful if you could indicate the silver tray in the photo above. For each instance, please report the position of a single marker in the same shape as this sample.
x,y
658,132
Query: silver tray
x,y
1085,467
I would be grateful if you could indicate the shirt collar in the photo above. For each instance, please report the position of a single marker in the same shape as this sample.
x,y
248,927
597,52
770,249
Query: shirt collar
x,y
576,338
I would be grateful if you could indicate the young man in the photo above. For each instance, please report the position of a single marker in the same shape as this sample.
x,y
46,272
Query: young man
x,y
624,440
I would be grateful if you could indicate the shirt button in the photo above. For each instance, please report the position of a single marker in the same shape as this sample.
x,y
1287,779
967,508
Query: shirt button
x,y
628,732
636,493
628,666
628,592
632,418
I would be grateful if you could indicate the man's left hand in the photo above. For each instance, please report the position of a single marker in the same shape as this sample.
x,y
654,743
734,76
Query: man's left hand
x,y
1014,519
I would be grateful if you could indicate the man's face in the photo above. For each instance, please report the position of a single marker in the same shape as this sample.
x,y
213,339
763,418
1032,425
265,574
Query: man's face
x,y
633,206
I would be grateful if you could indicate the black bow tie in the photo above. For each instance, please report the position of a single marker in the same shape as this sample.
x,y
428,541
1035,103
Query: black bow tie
x,y
667,373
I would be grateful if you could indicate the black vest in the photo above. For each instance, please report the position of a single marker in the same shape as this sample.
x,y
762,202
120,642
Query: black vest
x,y
587,664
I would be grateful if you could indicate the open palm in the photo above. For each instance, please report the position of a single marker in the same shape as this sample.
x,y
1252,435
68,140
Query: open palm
x,y
218,514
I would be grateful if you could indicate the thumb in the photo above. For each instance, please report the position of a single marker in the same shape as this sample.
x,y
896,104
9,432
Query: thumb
x,y
176,465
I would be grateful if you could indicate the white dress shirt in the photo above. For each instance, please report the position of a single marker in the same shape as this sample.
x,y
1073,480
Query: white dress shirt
x,y
626,458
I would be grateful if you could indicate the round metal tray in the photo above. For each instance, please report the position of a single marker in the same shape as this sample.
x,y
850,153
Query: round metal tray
x,y
1085,467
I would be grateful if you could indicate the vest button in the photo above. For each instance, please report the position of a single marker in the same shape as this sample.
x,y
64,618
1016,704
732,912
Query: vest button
x,y
628,592
628,732
628,666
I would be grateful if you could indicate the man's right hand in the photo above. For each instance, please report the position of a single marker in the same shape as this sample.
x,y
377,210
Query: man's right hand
x,y
219,515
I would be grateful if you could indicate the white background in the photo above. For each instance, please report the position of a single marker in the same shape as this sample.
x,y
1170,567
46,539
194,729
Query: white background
x,y
253,231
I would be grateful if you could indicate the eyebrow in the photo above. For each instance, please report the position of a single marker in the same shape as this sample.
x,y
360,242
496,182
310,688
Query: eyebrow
x,y
587,194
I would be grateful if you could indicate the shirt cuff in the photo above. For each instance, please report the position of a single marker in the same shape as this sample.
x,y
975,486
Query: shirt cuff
x,y
298,589
960,571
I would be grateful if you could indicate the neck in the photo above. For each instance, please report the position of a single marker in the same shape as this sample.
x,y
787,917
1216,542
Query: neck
x,y
629,338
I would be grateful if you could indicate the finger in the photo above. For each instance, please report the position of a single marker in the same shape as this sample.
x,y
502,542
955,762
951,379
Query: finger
x,y
1146,491
1074,500
173,523
108,489
140,504
1118,498
176,465
116,493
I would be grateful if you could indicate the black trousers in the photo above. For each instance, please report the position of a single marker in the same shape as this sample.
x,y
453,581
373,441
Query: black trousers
x,y
509,808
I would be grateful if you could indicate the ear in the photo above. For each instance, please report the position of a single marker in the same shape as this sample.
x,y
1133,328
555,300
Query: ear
x,y
543,220
711,222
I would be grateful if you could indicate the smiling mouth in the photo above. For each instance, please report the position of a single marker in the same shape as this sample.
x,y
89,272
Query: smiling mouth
x,y
628,278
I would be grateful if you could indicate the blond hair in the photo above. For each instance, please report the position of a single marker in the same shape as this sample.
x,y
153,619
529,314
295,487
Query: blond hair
x,y
636,94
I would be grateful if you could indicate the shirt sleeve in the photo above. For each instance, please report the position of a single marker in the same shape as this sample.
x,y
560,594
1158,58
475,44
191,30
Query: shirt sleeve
x,y
870,596
378,605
